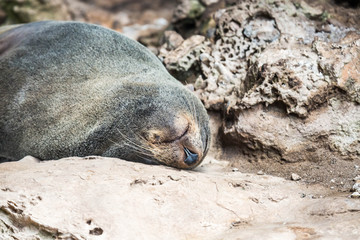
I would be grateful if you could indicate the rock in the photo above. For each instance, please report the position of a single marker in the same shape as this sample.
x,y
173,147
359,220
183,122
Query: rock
x,y
108,198
310,12
209,2
29,160
81,11
289,97
135,20
22,11
172,40
313,95
188,9
295,177
183,62
294,139
355,195
356,186
147,34
288,82
339,62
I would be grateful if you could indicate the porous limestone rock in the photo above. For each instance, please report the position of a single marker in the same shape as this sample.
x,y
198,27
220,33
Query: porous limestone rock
x,y
183,61
286,76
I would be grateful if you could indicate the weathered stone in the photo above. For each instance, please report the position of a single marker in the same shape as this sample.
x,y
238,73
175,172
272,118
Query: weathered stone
x,y
133,19
172,40
81,11
340,61
355,195
356,186
188,9
329,131
295,177
104,198
184,61
209,2
287,79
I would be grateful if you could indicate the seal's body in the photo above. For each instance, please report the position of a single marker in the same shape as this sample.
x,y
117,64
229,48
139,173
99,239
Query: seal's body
x,y
76,89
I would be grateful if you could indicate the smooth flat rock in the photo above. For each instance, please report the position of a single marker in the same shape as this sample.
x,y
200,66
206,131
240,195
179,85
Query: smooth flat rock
x,y
105,198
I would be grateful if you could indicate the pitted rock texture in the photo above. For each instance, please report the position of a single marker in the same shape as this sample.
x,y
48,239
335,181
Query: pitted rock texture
x,y
252,37
286,76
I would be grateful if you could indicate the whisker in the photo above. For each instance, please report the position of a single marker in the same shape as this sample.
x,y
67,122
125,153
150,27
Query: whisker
x,y
132,142
140,151
134,148
149,160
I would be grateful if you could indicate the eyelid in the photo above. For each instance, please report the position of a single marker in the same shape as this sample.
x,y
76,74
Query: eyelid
x,y
177,138
185,132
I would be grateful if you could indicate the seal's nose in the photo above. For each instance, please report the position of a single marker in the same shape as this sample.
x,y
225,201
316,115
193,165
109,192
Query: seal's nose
x,y
191,157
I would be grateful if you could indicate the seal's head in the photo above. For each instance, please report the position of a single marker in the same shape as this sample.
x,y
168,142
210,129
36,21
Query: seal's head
x,y
169,126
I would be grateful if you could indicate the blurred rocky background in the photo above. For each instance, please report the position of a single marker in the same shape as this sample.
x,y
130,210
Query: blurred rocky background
x,y
280,78
134,18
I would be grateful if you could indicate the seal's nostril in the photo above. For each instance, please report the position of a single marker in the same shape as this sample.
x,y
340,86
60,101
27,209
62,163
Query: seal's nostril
x,y
191,157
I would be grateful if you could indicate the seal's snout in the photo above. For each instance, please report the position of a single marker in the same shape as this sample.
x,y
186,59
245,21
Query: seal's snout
x,y
191,157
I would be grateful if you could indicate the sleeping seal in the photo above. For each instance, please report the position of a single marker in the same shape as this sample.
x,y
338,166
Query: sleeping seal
x,y
77,89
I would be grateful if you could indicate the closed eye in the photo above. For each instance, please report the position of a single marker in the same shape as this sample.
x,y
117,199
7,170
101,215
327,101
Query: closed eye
x,y
177,138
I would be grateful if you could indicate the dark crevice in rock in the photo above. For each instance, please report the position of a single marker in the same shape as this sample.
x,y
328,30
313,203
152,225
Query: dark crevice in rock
x,y
348,3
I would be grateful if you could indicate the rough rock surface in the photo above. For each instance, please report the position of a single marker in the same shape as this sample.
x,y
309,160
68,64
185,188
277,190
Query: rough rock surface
x,y
286,76
103,198
356,187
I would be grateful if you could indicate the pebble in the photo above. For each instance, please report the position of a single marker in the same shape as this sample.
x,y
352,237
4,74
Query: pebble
x,y
295,177
235,169
260,172
355,195
356,187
